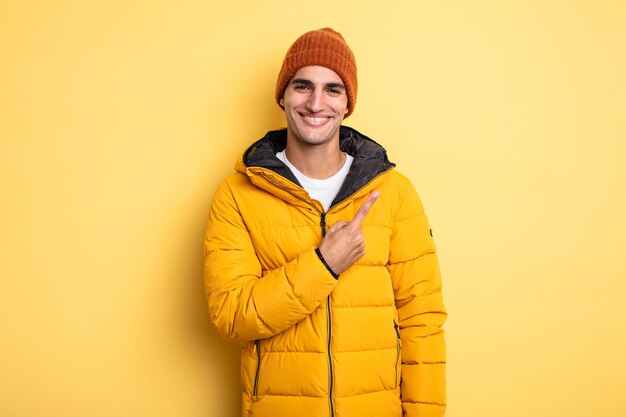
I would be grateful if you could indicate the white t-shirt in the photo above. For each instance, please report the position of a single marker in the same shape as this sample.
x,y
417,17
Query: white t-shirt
x,y
324,191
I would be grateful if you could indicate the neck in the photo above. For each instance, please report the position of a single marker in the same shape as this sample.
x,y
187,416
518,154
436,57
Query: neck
x,y
316,161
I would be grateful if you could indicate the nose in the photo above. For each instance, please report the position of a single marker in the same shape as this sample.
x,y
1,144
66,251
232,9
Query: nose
x,y
314,102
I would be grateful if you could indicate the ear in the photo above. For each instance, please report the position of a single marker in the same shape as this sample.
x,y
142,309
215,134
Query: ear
x,y
282,100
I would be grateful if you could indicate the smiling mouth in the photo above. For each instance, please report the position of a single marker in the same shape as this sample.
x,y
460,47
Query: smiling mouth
x,y
314,121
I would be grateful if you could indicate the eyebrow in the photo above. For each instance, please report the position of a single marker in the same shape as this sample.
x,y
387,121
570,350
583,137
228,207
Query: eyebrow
x,y
310,83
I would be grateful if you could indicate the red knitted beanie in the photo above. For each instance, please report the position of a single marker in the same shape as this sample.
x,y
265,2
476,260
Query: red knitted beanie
x,y
326,48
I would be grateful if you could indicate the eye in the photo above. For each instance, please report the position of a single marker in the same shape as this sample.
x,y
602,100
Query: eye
x,y
301,87
334,91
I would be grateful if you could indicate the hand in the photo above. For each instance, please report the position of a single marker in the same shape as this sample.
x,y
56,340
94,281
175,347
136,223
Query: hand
x,y
343,244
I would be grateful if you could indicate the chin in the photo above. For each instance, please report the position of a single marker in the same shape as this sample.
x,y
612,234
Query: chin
x,y
316,140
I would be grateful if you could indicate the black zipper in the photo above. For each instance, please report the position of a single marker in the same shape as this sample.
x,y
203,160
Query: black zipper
x,y
395,326
257,345
330,360
330,333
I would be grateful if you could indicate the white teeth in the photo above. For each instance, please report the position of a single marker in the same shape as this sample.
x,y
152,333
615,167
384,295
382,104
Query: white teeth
x,y
315,119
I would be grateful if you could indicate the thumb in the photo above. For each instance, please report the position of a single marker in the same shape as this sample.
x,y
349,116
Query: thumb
x,y
337,226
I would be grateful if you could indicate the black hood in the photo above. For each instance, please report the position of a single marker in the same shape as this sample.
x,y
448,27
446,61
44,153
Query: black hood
x,y
370,158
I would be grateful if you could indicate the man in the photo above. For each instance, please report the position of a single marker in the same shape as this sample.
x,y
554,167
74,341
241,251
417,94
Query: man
x,y
320,261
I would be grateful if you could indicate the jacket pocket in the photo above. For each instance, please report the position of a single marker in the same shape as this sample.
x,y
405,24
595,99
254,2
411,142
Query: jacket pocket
x,y
257,348
398,353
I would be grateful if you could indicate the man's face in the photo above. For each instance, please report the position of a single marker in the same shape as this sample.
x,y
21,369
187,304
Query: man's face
x,y
315,103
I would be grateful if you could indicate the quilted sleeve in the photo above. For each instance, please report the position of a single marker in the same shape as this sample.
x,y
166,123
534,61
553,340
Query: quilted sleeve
x,y
244,306
417,287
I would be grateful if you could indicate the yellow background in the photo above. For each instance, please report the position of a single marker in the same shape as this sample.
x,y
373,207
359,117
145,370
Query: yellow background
x,y
119,118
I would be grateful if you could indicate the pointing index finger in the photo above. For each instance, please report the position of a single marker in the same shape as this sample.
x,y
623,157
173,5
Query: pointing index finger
x,y
365,209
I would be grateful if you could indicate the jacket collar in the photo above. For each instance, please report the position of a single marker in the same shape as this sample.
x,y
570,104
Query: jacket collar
x,y
370,159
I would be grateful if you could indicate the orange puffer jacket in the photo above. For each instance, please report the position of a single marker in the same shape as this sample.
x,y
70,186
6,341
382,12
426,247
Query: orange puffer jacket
x,y
369,343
